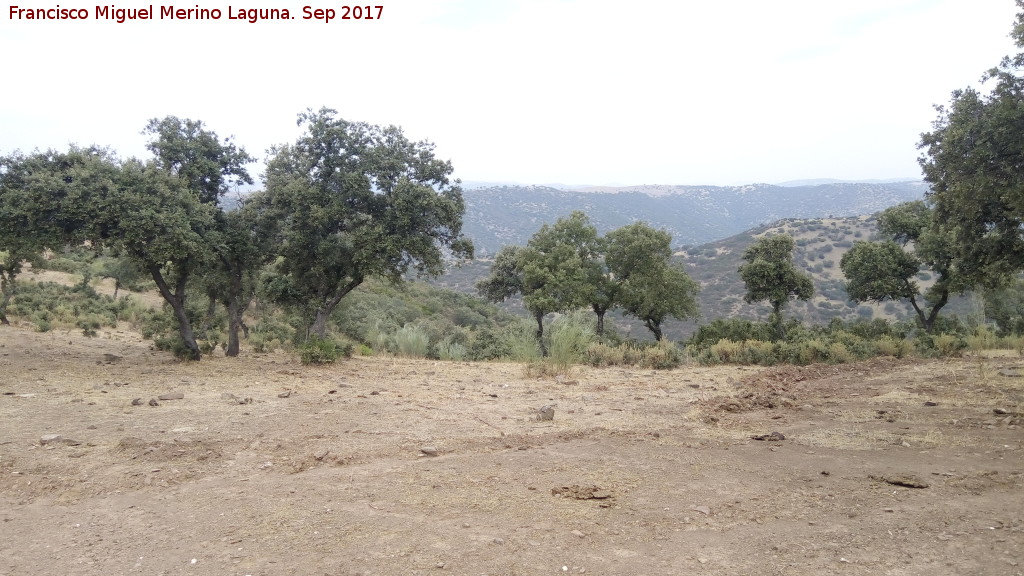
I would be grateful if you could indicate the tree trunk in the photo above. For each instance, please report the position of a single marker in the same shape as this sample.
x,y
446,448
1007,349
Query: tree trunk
x,y
234,323
600,323
185,330
237,303
117,286
540,333
655,328
319,326
934,314
177,302
920,315
780,329
7,290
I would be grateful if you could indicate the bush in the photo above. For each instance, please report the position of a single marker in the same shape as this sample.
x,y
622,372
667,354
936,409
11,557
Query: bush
x,y
888,346
318,350
569,338
487,344
174,344
664,356
603,355
412,342
734,329
939,345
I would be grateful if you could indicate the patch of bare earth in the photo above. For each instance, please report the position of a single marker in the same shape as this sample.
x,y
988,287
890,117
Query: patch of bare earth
x,y
388,466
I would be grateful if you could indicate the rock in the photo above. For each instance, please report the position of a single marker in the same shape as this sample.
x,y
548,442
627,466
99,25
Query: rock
x,y
546,413
112,358
171,396
999,411
429,450
137,402
773,437
50,439
906,480
499,541
930,403
321,454
153,402
578,492
702,509
1011,373
578,534
235,399
285,394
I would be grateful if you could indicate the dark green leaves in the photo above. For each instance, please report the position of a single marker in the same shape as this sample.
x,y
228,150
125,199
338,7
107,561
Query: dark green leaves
x,y
354,201
770,275
877,271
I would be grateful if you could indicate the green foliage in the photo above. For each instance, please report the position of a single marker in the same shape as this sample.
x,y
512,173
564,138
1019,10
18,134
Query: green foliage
x,y
839,342
877,271
174,344
1005,306
662,356
733,329
656,294
317,350
570,335
449,350
206,164
905,222
358,201
412,342
567,266
49,305
769,274
490,344
971,160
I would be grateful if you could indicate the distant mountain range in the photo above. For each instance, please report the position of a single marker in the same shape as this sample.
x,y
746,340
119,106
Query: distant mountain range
x,y
500,215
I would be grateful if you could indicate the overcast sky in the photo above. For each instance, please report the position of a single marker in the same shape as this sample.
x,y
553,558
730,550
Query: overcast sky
x,y
553,91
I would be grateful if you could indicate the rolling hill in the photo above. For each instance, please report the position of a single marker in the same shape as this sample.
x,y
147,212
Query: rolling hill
x,y
501,215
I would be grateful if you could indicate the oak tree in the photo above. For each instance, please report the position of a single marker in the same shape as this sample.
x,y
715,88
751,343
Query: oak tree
x,y
770,275
642,279
879,271
974,161
354,201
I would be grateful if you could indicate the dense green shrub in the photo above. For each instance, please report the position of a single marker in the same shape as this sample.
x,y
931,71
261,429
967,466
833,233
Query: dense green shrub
x,y
318,350
734,329
449,350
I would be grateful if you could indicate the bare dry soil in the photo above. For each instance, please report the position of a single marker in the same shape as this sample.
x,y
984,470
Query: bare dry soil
x,y
262,466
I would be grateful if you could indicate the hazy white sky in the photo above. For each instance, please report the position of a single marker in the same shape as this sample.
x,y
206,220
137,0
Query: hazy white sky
x,y
568,91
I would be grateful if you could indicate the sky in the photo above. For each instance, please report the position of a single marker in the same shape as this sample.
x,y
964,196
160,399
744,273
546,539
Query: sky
x,y
536,92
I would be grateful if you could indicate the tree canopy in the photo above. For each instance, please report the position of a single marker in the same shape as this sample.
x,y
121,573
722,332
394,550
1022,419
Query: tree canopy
x,y
769,274
356,200
567,266
878,271
646,284
974,160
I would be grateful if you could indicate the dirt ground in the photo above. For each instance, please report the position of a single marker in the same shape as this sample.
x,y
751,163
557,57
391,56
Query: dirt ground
x,y
391,466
